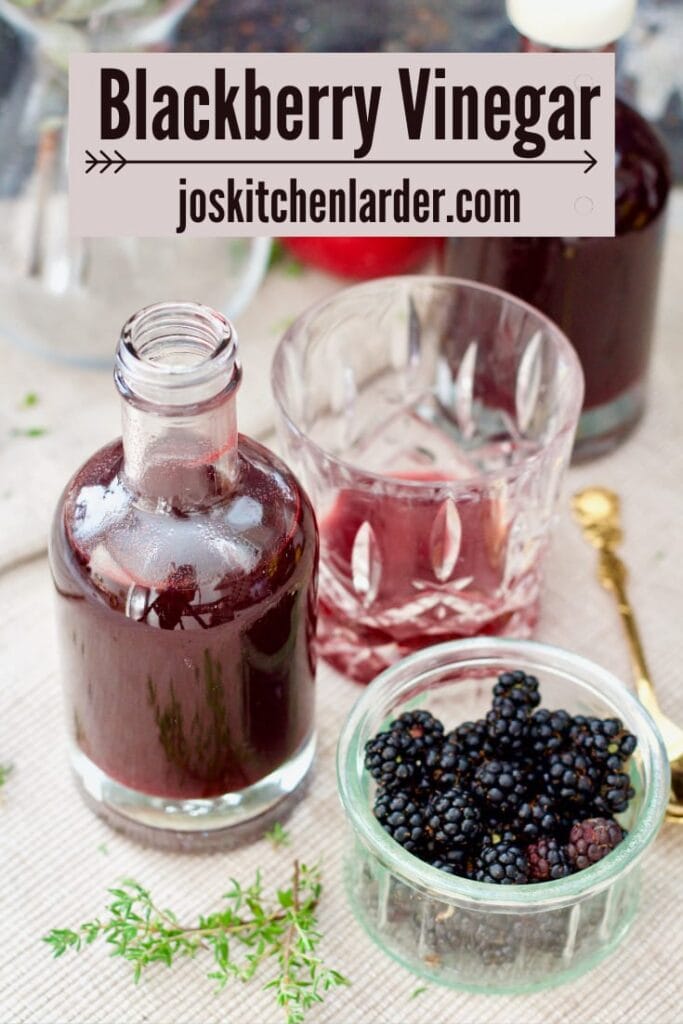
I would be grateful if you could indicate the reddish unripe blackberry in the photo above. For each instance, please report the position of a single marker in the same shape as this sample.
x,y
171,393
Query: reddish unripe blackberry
x,y
591,840
548,860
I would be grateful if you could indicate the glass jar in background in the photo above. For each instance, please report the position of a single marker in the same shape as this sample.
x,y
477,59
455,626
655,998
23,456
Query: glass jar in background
x,y
62,296
602,292
185,562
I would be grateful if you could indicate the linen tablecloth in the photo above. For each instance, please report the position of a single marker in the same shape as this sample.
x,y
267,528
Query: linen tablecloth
x,y
57,859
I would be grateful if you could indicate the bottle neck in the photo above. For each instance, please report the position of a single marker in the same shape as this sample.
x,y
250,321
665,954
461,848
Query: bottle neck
x,y
177,372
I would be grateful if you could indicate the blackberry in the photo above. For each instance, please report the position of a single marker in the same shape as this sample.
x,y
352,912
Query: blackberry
x,y
539,816
500,787
498,832
458,861
548,860
402,757
615,793
547,731
463,750
572,778
452,819
402,818
421,726
389,761
603,740
472,738
515,695
453,766
518,687
502,863
591,840
507,724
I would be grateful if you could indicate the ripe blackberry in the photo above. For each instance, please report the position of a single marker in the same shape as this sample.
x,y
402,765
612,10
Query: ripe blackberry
x,y
615,793
503,863
603,740
453,766
515,695
548,860
402,818
458,861
539,816
518,687
423,729
500,787
498,832
472,739
572,778
507,725
547,731
403,756
591,840
452,819
390,761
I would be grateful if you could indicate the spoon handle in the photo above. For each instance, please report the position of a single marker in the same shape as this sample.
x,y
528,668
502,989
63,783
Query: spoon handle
x,y
612,573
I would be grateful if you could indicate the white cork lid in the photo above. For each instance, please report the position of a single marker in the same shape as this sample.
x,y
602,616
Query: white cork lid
x,y
571,24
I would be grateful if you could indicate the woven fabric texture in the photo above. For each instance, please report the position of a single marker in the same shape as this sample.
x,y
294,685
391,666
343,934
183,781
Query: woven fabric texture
x,y
58,859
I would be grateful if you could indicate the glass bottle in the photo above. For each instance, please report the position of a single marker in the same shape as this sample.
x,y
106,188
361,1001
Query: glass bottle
x,y
602,292
185,561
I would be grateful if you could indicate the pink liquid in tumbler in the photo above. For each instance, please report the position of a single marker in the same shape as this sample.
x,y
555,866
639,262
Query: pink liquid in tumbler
x,y
419,567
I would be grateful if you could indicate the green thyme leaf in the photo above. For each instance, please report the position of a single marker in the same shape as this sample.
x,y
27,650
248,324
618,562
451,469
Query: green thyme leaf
x,y
278,836
250,933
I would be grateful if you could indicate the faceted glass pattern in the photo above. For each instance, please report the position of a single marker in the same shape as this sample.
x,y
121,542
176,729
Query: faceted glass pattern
x,y
475,935
431,421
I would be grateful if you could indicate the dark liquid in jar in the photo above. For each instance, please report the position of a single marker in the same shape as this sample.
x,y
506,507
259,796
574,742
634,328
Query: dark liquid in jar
x,y
601,291
190,677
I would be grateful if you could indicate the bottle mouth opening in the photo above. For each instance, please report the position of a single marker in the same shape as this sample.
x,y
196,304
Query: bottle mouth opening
x,y
176,353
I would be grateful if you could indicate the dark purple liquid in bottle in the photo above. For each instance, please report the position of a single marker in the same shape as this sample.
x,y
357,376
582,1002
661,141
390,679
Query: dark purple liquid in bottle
x,y
187,635
601,291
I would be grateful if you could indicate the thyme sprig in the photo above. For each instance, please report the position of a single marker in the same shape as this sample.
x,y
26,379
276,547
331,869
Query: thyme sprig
x,y
249,932
5,772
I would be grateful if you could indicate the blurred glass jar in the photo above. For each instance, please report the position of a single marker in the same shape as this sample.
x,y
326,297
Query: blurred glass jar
x,y
62,296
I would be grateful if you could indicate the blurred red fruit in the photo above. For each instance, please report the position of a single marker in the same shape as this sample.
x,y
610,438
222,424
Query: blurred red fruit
x,y
362,257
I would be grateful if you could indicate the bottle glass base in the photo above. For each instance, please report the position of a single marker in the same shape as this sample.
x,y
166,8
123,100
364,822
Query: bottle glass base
x,y
603,427
198,824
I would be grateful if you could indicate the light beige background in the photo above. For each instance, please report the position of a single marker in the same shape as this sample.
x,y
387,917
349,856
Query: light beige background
x,y
54,869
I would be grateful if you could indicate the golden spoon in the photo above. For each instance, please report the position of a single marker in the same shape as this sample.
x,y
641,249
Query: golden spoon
x,y
597,511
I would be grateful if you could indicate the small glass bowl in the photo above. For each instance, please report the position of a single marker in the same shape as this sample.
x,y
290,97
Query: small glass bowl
x,y
474,935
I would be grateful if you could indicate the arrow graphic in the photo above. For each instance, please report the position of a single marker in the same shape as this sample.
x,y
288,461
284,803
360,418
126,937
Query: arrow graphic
x,y
105,162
